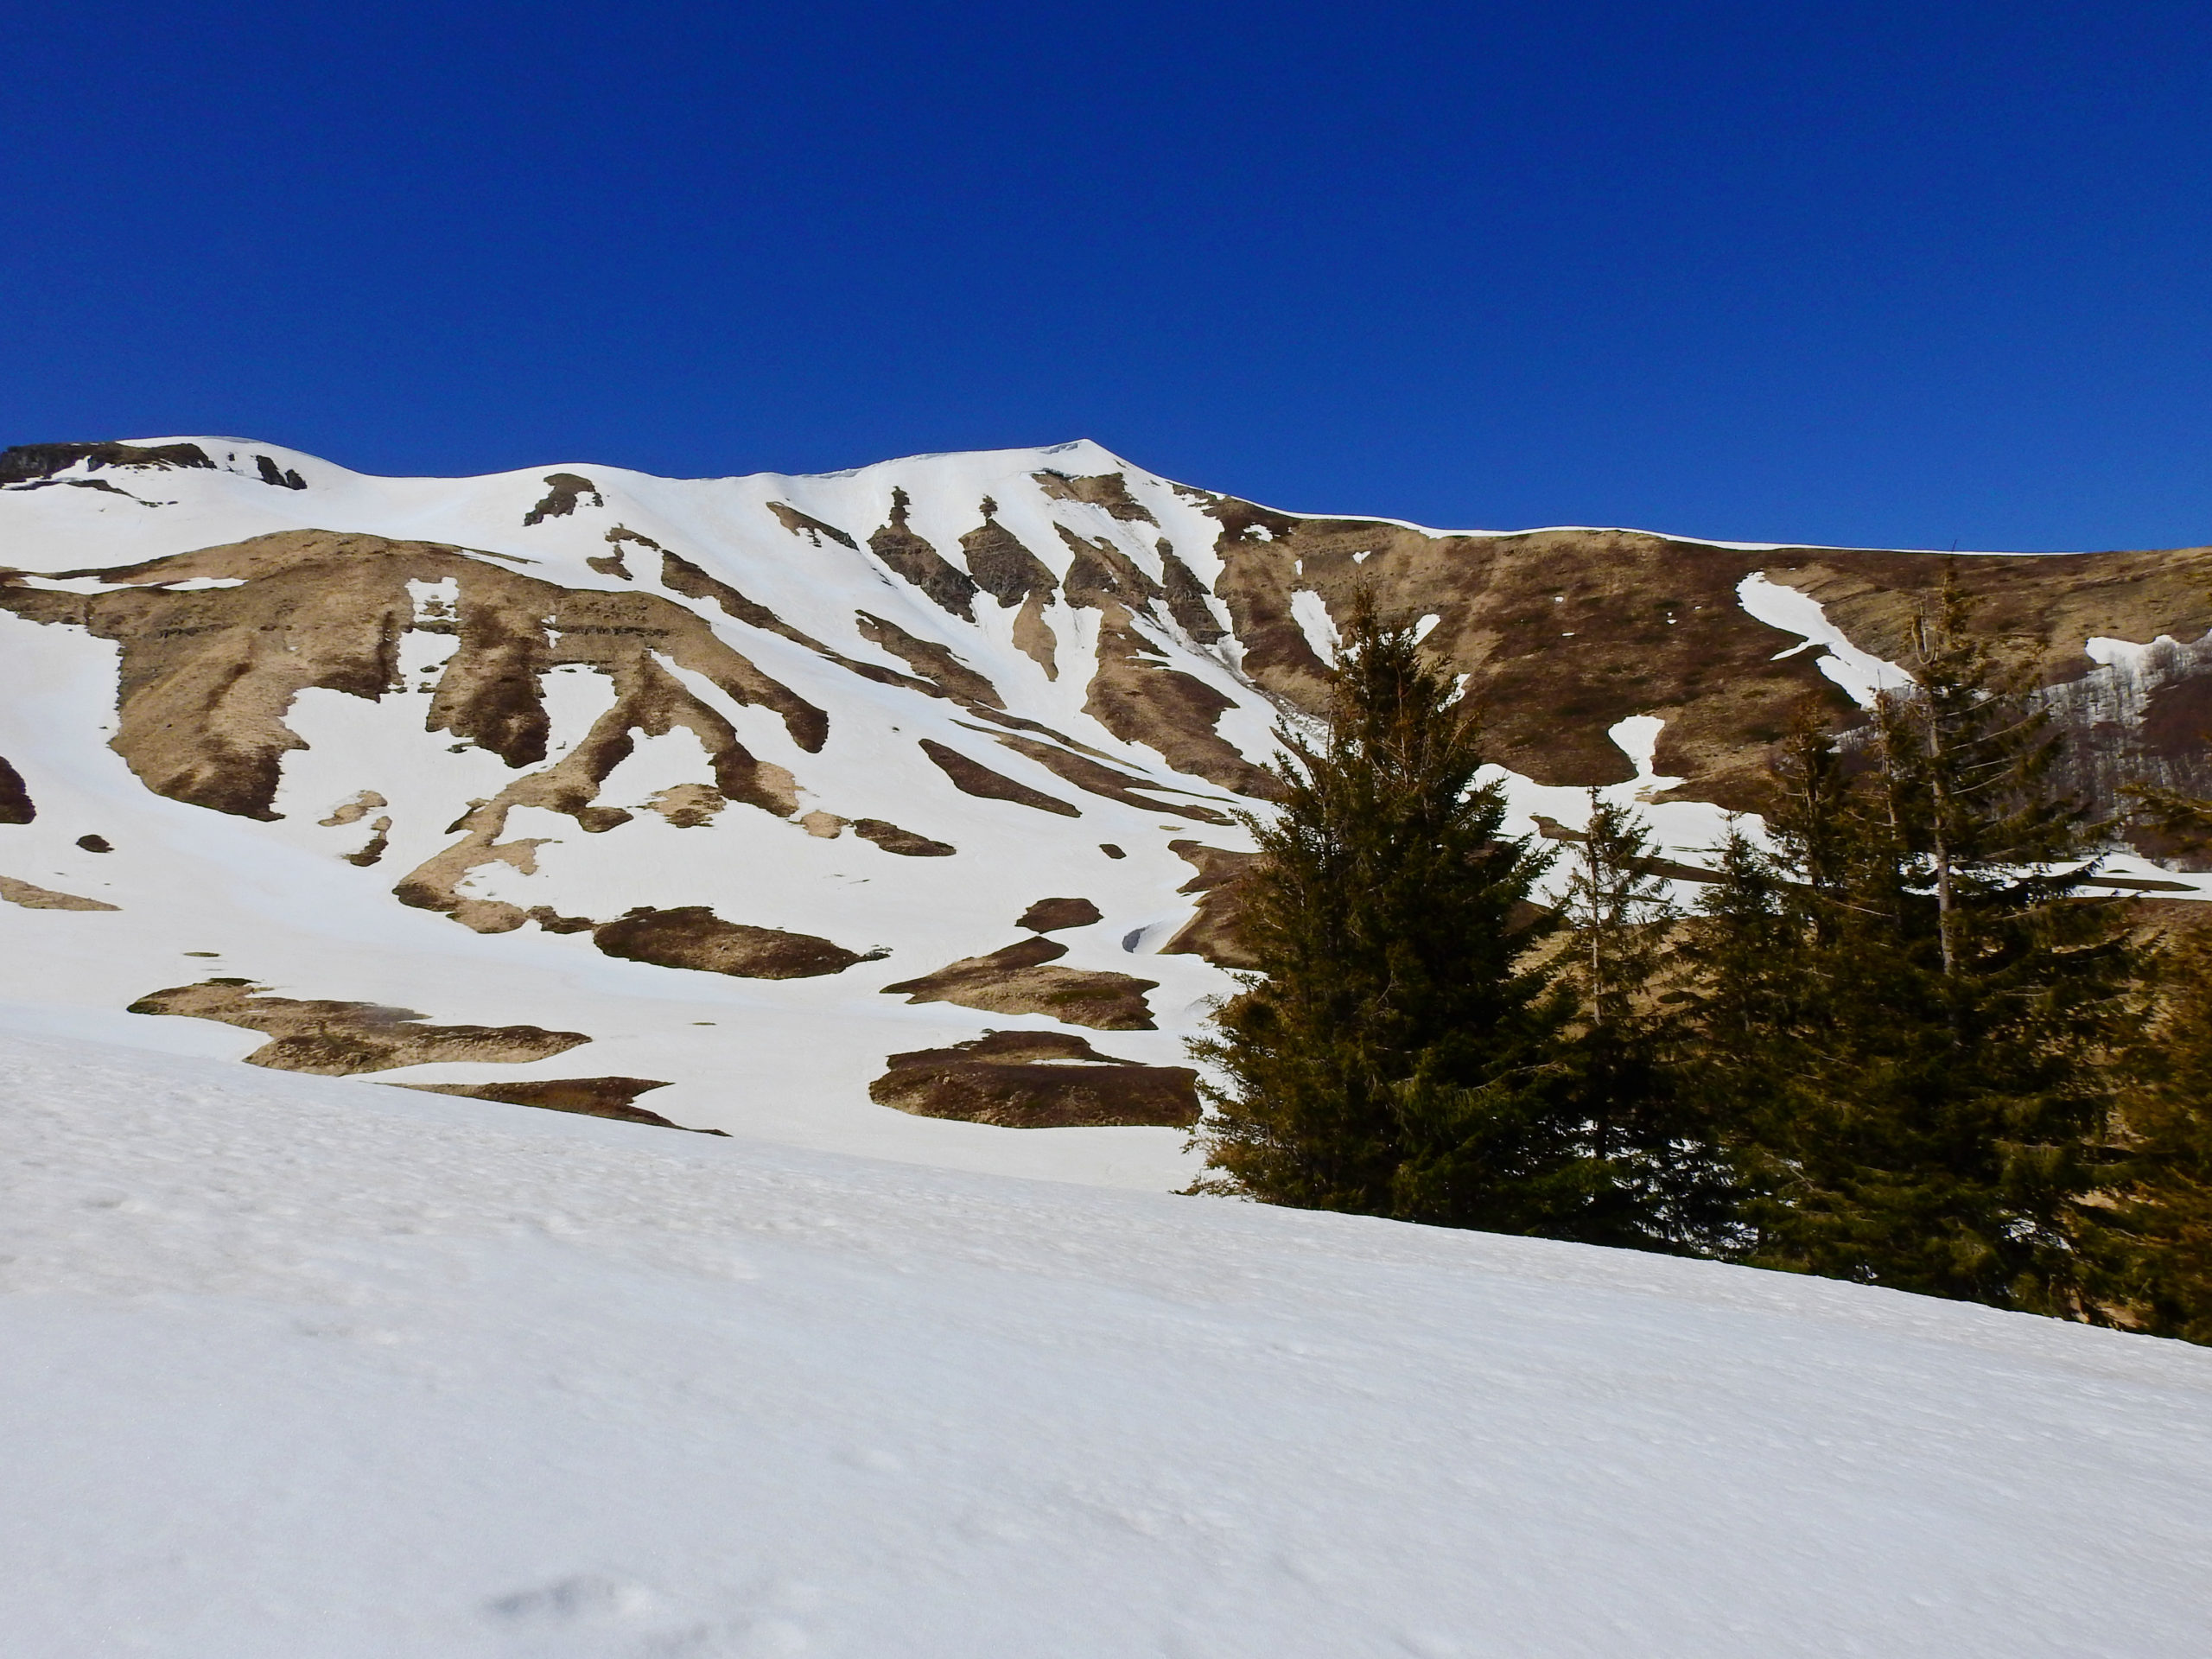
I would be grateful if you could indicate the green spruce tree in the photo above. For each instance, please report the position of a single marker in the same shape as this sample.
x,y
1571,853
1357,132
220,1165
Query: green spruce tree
x,y
1395,1054
2156,1233
1654,1177
1908,1004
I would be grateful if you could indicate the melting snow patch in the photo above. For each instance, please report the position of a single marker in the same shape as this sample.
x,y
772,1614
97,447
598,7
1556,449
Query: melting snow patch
x,y
1311,612
1858,672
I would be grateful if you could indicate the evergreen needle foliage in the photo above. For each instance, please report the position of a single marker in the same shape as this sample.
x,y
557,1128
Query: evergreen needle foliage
x,y
1653,1180
1394,1055
2157,1234
1906,1007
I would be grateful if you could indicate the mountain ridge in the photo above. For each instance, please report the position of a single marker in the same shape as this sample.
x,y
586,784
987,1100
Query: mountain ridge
x,y
675,750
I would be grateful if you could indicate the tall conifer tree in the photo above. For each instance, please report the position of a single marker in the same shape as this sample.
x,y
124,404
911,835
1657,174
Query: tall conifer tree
x,y
1908,1002
1393,1055
1654,1178
2156,1235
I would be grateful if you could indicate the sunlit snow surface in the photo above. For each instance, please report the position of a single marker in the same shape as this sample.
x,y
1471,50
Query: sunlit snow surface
x,y
310,1369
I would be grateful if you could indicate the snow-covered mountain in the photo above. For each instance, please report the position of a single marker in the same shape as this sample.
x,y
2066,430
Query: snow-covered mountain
x,y
887,811
301,1367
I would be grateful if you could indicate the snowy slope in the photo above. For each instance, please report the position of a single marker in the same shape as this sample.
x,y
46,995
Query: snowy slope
x,y
309,1369
735,679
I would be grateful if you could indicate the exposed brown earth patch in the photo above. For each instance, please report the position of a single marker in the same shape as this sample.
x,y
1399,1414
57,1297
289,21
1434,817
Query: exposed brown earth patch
x,y
1001,566
1051,915
1034,637
1106,782
372,850
688,806
1561,633
353,810
29,461
1107,490
680,575
340,1038
813,529
931,661
613,563
566,490
904,842
1018,981
1187,599
974,778
34,898
693,937
1037,1080
913,558
1137,697
587,1097
1216,930
207,674
15,806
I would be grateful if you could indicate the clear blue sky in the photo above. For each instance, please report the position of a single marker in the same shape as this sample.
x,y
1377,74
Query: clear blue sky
x,y
1887,275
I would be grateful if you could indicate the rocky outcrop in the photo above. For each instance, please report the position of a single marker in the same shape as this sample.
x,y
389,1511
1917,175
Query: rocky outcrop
x,y
1037,1080
340,1039
693,937
1018,981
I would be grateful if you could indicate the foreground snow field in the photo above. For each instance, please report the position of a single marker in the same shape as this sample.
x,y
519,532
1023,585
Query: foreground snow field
x,y
301,1367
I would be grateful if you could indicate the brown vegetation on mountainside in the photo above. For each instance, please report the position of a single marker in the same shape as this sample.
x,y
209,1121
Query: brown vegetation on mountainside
x,y
1037,1079
334,1039
1017,981
692,936
609,1097
1563,633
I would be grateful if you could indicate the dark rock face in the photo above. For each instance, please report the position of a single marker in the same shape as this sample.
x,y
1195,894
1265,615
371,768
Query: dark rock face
x,y
1035,1080
587,1097
1017,981
96,843
29,461
15,796
288,479
1051,915
693,936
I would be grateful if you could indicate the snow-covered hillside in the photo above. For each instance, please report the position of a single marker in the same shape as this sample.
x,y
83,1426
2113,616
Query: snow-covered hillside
x,y
310,1368
888,812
